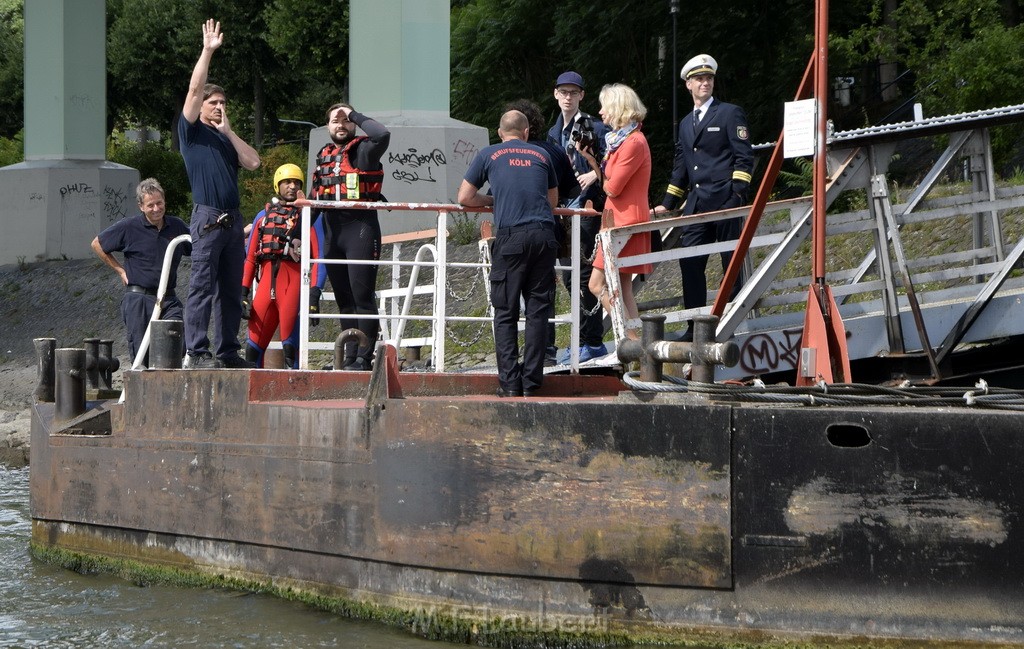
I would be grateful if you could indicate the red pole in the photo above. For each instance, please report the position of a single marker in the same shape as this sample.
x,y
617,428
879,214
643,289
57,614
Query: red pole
x,y
821,100
764,191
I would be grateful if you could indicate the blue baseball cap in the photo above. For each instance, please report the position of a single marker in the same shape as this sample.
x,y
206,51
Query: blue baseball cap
x,y
567,78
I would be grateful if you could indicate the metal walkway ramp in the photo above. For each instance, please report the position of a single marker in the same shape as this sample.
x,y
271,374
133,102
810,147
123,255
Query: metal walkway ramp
x,y
916,271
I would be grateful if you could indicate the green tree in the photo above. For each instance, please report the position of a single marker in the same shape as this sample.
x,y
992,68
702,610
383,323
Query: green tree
x,y
957,55
12,67
147,84
310,37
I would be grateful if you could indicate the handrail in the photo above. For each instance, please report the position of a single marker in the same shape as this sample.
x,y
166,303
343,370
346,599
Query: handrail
x,y
439,263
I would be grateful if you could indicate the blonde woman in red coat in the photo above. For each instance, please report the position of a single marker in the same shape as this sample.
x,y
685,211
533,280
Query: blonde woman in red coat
x,y
626,174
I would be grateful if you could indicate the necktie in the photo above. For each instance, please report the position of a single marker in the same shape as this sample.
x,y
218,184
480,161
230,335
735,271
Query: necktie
x,y
696,120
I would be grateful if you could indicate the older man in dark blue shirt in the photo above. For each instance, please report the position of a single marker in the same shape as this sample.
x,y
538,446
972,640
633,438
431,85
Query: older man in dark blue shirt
x,y
525,192
143,240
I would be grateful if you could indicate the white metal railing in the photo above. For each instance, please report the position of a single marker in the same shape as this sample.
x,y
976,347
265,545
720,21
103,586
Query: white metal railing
x,y
866,280
395,319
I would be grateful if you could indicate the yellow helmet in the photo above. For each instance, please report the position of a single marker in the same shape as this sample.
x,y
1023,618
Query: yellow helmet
x,y
288,172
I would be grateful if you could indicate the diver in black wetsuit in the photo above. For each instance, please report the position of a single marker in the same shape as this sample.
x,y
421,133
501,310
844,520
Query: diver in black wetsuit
x,y
349,168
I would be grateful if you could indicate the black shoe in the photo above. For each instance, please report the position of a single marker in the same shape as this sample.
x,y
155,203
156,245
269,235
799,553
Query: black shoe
x,y
504,394
202,361
236,362
360,364
530,392
550,357
685,337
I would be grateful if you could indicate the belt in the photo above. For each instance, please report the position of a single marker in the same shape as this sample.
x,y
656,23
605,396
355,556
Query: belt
x,y
134,288
534,225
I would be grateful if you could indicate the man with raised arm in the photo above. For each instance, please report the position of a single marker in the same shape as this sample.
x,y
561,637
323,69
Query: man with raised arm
x,y
213,152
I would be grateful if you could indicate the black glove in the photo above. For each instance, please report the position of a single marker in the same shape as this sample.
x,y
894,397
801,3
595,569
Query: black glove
x,y
246,304
739,188
314,305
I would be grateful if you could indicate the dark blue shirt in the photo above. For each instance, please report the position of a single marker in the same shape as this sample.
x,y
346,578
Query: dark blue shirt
x,y
520,174
567,183
144,247
211,163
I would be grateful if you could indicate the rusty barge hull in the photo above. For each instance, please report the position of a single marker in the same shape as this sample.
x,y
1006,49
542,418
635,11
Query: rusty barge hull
x,y
587,506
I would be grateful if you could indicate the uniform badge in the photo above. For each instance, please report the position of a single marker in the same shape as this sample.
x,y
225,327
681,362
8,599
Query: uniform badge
x,y
741,132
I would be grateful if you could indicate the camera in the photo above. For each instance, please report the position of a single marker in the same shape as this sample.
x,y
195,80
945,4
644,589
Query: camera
x,y
582,135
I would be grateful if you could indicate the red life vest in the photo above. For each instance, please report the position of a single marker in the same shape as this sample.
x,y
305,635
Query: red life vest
x,y
335,178
276,231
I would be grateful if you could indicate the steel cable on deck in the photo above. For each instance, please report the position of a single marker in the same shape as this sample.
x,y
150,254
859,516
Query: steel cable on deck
x,y
839,394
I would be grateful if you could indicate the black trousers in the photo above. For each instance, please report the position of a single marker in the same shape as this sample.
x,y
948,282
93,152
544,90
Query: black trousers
x,y
692,269
522,266
354,236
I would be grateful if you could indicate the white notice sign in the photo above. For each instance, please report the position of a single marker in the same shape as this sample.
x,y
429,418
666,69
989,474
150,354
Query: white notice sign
x,y
799,129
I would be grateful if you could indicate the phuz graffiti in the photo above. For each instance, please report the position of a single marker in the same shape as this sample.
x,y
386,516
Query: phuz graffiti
x,y
762,353
413,166
115,199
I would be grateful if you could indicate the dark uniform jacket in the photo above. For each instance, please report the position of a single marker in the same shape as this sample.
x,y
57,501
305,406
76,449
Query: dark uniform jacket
x,y
715,164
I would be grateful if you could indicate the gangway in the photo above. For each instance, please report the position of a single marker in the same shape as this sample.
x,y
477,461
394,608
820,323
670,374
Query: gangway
x,y
963,286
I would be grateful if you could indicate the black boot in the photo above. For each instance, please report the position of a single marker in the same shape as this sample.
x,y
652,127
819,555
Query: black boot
x,y
252,354
289,356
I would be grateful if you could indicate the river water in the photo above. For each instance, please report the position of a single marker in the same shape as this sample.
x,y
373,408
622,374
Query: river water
x,y
46,606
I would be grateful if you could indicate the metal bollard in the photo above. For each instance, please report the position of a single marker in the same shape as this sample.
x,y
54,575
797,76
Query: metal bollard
x,y
347,336
92,363
108,364
706,353
703,353
44,354
167,340
70,371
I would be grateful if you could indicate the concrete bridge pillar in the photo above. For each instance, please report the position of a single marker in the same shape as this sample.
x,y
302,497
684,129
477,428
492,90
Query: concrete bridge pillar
x,y
399,74
65,192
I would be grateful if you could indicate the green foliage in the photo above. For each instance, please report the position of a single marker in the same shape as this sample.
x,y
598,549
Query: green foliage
x,y
960,54
311,39
144,81
463,229
12,54
155,160
12,150
257,187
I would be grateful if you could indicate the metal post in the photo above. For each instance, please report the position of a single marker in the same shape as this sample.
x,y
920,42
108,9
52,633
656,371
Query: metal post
x,y
652,331
702,369
108,364
69,371
44,354
703,353
168,344
92,365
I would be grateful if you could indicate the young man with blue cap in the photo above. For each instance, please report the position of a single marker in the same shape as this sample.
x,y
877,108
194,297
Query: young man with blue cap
x,y
575,129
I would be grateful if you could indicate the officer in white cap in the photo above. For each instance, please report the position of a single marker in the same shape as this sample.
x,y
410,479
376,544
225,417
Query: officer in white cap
x,y
712,171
